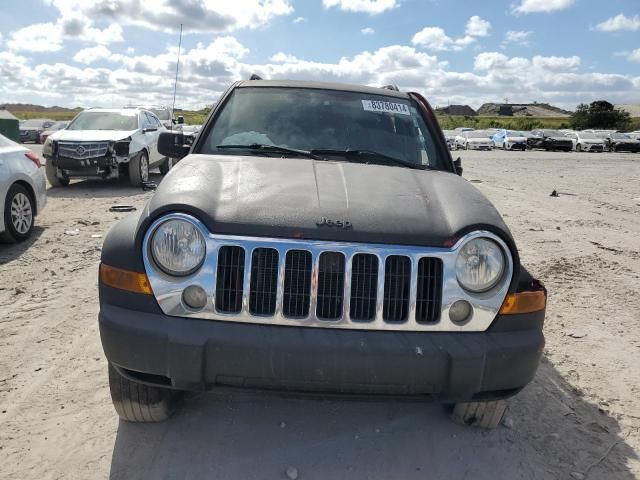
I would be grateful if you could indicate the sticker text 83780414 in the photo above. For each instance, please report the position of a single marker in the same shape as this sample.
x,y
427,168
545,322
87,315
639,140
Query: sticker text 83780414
x,y
385,107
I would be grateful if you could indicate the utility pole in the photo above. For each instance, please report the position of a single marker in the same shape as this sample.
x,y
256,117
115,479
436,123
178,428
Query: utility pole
x,y
175,85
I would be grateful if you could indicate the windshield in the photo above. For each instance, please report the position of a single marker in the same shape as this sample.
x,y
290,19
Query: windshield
x,y
58,125
314,119
553,133
32,123
104,121
477,134
162,113
620,136
593,136
512,133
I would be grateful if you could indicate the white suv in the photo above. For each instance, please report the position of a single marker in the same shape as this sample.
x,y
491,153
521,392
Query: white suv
x,y
106,143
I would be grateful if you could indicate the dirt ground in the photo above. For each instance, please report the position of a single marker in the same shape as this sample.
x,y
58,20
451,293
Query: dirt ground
x,y
580,418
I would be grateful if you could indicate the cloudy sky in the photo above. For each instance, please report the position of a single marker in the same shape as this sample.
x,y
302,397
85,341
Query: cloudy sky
x,y
110,52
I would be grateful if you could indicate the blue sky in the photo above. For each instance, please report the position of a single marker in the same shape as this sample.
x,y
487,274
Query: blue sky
x,y
77,52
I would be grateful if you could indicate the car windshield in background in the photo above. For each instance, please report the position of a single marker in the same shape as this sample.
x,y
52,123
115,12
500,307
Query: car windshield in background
x,y
104,121
593,136
32,123
553,133
161,113
477,134
58,125
313,119
620,136
513,133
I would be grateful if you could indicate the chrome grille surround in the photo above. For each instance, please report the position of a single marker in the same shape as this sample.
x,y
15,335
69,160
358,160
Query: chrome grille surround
x,y
168,289
82,150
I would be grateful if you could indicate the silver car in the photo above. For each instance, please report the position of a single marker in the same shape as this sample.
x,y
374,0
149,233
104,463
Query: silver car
x,y
474,140
22,191
587,142
106,143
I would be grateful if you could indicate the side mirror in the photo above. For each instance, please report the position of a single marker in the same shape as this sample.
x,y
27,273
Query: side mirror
x,y
173,145
458,165
180,120
150,129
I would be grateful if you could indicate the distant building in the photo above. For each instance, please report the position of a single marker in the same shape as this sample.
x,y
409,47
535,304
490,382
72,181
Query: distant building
x,y
460,110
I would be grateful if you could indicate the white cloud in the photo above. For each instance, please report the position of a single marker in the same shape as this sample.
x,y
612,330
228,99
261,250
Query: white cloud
x,y
208,69
634,56
49,37
39,37
516,37
372,7
367,31
477,27
167,15
436,39
282,57
537,6
92,54
300,20
620,22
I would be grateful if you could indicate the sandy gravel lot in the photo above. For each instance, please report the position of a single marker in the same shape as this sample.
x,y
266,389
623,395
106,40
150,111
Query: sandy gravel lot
x,y
580,418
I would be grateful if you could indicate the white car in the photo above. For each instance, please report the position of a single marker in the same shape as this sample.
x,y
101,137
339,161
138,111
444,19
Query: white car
x,y
474,140
23,191
510,140
106,143
587,142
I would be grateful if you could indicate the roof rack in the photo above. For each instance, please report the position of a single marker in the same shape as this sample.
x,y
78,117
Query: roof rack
x,y
391,87
255,77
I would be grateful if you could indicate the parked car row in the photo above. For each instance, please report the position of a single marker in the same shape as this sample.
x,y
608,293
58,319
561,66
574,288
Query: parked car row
x,y
543,139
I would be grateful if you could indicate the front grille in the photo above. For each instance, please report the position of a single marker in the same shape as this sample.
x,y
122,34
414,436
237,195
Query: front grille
x,y
297,284
364,287
429,292
230,278
397,280
330,286
264,281
327,286
82,150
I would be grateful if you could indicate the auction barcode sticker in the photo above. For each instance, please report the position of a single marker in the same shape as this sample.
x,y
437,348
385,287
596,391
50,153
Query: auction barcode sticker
x,y
385,107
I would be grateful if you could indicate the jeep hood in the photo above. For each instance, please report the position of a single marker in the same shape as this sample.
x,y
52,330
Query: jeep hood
x,y
91,135
288,197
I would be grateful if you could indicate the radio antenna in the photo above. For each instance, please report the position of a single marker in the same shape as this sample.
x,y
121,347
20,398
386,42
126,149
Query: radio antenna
x,y
175,85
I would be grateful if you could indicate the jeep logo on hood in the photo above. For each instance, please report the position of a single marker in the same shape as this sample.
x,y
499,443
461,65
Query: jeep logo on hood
x,y
327,222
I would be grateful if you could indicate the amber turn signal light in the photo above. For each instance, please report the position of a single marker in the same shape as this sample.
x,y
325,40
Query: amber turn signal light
x,y
524,302
125,280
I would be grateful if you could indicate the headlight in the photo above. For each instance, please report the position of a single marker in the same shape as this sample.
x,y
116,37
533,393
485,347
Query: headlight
x,y
480,265
178,247
47,148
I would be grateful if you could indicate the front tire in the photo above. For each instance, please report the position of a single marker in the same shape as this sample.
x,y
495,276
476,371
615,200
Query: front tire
x,y
136,402
139,169
166,166
479,414
19,214
51,171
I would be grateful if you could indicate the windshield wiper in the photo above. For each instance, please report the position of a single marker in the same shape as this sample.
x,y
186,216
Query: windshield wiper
x,y
368,155
271,148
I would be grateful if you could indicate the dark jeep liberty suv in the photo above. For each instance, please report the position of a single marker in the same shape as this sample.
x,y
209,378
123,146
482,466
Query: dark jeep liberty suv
x,y
317,238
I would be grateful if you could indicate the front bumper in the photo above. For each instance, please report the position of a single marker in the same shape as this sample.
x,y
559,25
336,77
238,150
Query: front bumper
x,y
187,354
593,147
104,167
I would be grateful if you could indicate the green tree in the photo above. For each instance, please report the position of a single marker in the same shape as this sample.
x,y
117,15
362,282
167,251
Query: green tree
x,y
601,115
